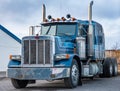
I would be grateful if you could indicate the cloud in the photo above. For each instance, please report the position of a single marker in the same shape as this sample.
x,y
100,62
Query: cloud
x,y
79,8
21,10
107,9
18,15
18,10
111,30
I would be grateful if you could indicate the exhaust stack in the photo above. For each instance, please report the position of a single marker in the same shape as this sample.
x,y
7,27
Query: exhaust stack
x,y
90,32
43,13
90,12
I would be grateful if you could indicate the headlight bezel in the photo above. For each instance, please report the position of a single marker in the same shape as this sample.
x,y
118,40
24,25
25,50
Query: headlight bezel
x,y
15,57
61,56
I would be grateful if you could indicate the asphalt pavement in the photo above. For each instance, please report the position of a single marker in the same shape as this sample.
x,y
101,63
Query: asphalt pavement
x,y
2,75
97,84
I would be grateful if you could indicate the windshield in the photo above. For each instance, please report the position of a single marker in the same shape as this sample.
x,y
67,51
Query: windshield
x,y
59,29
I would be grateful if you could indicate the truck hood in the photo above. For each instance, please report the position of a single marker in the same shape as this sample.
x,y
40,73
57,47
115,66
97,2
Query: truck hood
x,y
64,45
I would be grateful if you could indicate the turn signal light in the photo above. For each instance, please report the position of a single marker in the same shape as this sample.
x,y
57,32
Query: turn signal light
x,y
15,57
67,56
10,57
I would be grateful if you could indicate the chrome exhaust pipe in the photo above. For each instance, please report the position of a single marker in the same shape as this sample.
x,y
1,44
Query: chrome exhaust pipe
x,y
90,12
43,13
90,32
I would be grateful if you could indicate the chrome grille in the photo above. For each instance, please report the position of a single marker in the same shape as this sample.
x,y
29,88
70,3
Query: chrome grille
x,y
47,51
26,52
37,52
33,52
40,52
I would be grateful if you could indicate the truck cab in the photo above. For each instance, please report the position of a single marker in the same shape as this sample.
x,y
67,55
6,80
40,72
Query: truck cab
x,y
68,49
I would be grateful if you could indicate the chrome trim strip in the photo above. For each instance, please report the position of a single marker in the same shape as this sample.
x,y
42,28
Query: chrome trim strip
x,y
44,52
36,51
29,52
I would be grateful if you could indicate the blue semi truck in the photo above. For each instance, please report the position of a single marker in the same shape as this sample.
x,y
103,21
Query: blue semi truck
x,y
65,48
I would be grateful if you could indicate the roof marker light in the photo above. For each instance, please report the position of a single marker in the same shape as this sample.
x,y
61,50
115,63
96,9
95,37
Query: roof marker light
x,y
46,20
58,19
53,19
63,19
73,19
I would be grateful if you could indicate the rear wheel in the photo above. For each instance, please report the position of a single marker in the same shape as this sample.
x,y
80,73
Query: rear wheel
x,y
73,80
115,67
19,83
108,67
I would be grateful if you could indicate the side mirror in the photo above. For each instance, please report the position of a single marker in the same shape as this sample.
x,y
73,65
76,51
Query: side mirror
x,y
32,30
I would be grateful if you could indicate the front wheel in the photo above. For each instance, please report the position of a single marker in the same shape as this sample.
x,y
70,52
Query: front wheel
x,y
73,80
19,83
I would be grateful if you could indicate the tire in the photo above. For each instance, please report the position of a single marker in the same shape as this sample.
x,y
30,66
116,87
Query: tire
x,y
115,67
107,68
91,78
101,75
73,80
19,83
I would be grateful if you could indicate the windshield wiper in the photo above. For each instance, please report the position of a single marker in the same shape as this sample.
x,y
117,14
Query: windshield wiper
x,y
48,30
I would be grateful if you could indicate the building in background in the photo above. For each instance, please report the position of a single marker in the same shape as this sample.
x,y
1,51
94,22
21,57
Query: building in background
x,y
114,53
9,44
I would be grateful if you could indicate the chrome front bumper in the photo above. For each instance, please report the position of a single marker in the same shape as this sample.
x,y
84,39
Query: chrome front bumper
x,y
38,73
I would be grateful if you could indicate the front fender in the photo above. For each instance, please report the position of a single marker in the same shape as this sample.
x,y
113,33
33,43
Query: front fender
x,y
65,62
14,63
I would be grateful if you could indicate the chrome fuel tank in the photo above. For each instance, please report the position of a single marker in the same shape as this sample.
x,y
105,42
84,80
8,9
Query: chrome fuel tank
x,y
81,49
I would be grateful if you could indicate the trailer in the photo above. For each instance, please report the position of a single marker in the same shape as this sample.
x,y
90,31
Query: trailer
x,y
65,48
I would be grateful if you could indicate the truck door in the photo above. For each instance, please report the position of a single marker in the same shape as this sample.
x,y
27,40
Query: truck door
x,y
99,42
81,41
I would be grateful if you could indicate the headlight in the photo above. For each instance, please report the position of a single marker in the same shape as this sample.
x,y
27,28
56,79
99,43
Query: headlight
x,y
15,57
62,56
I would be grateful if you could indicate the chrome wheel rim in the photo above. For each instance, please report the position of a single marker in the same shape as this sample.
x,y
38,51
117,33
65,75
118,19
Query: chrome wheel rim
x,y
75,74
116,68
111,69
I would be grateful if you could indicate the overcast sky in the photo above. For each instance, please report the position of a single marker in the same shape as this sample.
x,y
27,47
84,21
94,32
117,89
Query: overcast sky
x,y
18,15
